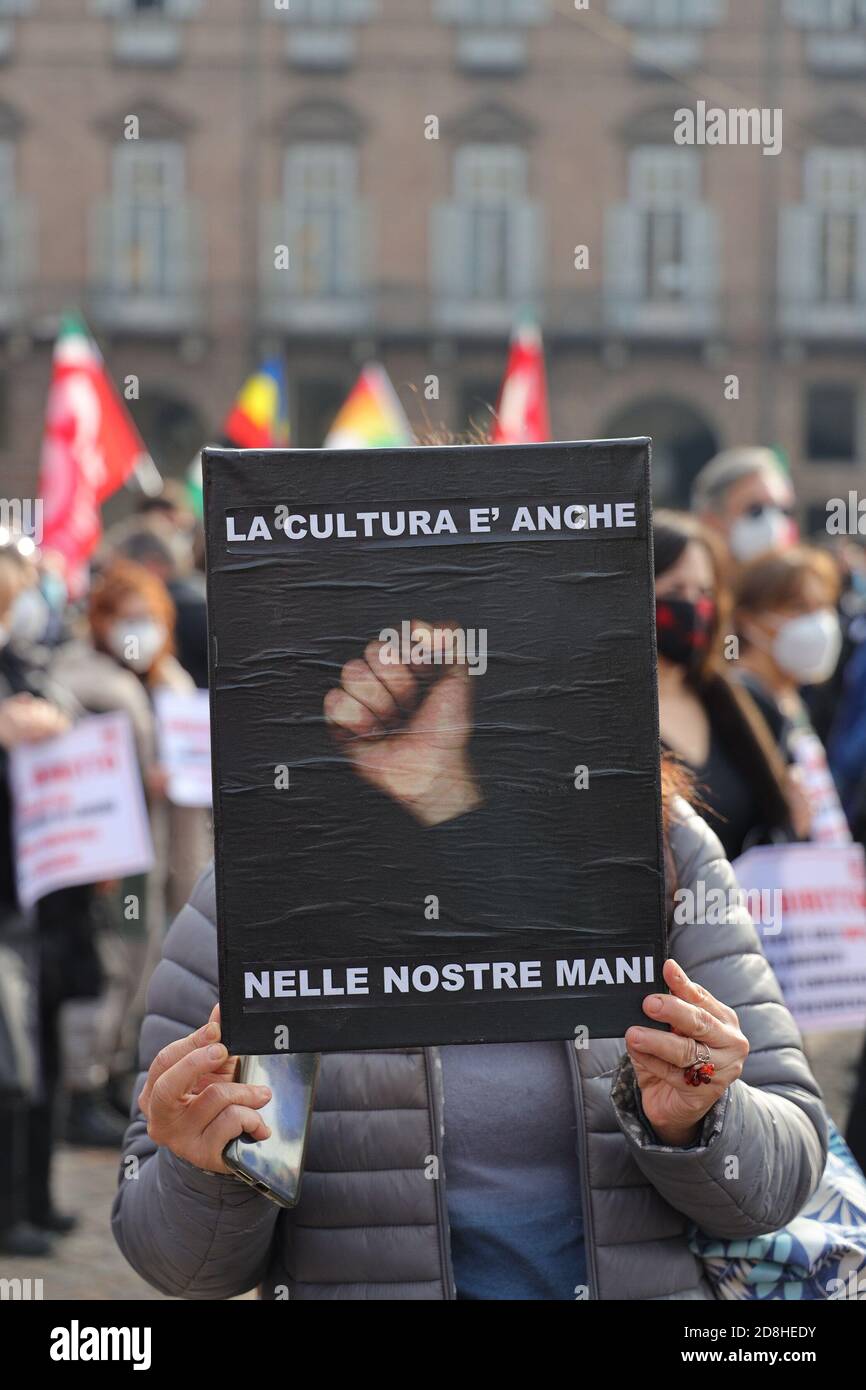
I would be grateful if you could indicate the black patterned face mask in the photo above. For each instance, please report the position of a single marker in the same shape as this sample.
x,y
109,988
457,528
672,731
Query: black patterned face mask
x,y
683,629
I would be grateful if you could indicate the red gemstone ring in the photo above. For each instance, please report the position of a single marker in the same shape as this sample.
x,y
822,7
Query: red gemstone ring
x,y
701,1071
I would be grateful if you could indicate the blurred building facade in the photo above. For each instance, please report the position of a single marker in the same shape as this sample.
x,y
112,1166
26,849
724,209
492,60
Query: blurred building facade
x,y
337,179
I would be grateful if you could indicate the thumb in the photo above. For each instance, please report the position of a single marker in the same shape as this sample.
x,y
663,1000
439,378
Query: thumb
x,y
447,704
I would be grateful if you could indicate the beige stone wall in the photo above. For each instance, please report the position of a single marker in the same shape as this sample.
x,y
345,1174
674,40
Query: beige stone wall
x,y
577,96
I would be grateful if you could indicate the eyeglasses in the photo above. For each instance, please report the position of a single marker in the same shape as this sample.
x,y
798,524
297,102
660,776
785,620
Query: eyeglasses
x,y
758,509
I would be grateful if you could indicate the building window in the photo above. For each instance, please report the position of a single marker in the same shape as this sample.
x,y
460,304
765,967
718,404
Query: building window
x,y
486,242
489,37
321,200
822,252
148,256
145,33
132,9
826,14
148,187
835,34
661,258
667,33
319,35
16,239
831,423
323,225
663,188
494,12
667,14
490,181
835,187
322,11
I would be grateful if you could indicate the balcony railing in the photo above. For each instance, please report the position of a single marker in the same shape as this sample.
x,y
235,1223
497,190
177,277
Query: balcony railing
x,y
324,286
808,308
147,265
17,240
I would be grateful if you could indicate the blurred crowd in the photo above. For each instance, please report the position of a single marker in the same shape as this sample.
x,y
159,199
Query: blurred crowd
x,y
74,969
762,696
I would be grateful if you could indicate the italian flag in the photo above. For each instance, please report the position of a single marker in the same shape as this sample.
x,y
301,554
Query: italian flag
x,y
89,449
522,414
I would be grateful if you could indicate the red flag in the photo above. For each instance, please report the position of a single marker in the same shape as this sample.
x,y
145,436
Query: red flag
x,y
522,415
89,449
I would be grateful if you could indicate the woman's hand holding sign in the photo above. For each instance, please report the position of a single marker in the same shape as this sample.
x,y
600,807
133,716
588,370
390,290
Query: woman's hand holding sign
x,y
26,718
698,1022
405,728
192,1103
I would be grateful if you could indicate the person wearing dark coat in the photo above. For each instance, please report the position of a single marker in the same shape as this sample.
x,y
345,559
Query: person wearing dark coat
x,y
708,722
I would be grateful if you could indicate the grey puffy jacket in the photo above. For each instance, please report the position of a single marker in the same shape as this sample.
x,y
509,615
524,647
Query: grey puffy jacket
x,y
371,1224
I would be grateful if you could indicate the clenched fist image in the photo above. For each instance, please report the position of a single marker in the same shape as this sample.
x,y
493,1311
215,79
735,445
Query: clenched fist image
x,y
405,727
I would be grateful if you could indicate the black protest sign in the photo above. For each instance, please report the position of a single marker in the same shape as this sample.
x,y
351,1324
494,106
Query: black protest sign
x,y
435,744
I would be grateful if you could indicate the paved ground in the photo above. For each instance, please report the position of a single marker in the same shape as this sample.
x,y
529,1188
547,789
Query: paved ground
x,y
834,1058
88,1264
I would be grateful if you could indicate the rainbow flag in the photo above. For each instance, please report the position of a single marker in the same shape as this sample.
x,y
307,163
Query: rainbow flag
x,y
259,418
371,416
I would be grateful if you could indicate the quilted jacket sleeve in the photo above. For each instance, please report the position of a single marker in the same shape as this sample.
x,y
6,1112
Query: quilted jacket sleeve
x,y
762,1148
191,1234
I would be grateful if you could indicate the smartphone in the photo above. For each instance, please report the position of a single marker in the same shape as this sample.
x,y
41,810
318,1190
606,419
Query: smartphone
x,y
275,1166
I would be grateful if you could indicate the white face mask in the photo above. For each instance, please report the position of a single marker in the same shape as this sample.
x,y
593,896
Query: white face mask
x,y
751,535
137,644
808,647
30,616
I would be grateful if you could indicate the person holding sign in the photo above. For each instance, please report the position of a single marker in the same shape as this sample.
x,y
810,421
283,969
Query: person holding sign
x,y
31,711
126,664
569,1170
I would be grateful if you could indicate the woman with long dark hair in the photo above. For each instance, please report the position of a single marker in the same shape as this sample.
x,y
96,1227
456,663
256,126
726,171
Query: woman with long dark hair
x,y
706,720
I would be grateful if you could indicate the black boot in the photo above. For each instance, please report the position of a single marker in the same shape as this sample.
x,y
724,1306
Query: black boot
x,y
91,1123
57,1223
24,1239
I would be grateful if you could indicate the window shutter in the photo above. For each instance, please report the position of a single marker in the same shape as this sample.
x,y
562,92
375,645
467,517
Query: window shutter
x,y
799,251
861,260
524,252
624,270
448,251
702,253
806,14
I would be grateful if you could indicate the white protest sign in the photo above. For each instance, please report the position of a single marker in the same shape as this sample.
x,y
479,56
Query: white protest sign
x,y
819,955
829,824
79,814
184,745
